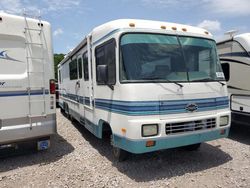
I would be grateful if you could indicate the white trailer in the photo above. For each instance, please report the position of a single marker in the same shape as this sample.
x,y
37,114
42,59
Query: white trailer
x,y
234,55
151,85
27,88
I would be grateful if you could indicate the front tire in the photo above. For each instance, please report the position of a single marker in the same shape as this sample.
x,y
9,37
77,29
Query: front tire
x,y
120,154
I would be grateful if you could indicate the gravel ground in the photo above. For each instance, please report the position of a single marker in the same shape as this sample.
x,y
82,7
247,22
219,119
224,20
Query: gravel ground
x,y
78,159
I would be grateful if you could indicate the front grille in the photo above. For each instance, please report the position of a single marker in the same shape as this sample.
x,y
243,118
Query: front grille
x,y
190,126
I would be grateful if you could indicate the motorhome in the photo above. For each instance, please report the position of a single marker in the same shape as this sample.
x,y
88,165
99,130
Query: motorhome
x,y
234,52
151,85
27,89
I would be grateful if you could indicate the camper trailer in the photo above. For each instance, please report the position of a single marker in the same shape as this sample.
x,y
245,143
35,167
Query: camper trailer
x,y
234,55
27,87
150,85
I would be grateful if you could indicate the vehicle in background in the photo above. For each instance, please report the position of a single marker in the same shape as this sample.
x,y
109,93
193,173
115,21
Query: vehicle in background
x,y
27,86
234,52
150,85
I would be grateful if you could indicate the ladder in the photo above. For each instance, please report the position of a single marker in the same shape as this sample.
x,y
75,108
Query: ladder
x,y
29,33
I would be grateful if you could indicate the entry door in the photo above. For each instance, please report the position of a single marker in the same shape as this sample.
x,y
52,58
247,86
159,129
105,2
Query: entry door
x,y
78,87
88,92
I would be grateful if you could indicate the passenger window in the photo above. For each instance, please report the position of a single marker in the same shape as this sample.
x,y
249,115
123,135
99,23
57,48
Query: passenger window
x,y
226,70
80,67
105,55
85,66
73,70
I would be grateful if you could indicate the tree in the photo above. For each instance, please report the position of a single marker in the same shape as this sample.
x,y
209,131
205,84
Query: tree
x,y
57,59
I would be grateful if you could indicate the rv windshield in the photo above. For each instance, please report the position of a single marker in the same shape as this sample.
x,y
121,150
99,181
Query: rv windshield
x,y
168,58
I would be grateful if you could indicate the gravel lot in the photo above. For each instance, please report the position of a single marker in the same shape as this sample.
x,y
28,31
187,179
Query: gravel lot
x,y
78,159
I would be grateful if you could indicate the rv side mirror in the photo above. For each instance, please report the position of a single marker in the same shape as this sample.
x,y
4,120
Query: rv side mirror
x,y
102,73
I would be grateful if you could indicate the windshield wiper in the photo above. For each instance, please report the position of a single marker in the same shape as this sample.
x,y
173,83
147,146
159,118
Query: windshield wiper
x,y
158,78
209,79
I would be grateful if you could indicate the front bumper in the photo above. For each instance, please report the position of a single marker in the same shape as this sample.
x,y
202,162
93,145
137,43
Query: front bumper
x,y
139,146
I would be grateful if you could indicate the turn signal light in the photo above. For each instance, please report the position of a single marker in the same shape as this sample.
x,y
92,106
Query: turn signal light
x,y
150,143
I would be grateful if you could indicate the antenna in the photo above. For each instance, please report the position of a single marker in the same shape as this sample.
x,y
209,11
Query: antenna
x,y
231,33
32,14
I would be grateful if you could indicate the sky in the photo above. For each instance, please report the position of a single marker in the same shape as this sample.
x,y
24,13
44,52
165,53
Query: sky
x,y
71,20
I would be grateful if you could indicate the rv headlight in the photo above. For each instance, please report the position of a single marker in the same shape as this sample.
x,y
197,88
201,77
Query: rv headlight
x,y
149,130
224,120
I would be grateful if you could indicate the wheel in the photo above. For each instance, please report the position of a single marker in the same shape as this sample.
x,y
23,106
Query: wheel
x,y
192,147
67,115
120,154
62,110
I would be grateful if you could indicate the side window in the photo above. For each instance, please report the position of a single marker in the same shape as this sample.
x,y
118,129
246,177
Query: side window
x,y
59,76
225,49
85,66
80,68
105,55
73,70
226,70
238,50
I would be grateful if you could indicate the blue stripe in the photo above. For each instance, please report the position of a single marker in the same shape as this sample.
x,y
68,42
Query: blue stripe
x,y
140,108
22,93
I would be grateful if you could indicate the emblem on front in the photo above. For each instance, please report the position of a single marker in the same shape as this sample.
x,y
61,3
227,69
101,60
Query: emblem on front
x,y
192,107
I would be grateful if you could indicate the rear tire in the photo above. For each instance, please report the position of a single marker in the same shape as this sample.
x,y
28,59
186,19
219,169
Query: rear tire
x,y
120,154
193,147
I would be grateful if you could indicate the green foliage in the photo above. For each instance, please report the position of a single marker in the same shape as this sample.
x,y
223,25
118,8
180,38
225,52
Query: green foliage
x,y
57,59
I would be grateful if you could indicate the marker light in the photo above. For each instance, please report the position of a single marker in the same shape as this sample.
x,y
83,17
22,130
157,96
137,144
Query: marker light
x,y
163,27
206,32
184,29
131,24
174,28
123,130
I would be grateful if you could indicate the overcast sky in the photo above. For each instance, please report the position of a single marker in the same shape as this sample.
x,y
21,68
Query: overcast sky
x,y
72,19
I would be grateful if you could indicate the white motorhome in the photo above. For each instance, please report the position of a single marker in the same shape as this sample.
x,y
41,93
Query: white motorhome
x,y
234,55
151,85
27,88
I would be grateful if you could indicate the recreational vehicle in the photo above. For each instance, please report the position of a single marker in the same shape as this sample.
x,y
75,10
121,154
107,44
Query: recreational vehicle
x,y
151,85
234,55
27,88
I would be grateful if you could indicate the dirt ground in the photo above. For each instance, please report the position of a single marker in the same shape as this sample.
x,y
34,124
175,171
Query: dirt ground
x,y
78,159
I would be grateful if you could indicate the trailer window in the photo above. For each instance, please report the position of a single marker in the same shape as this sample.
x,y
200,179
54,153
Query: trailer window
x,y
73,70
80,68
105,55
85,66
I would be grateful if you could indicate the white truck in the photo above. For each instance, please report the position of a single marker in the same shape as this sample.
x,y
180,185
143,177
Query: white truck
x,y
150,85
27,87
234,55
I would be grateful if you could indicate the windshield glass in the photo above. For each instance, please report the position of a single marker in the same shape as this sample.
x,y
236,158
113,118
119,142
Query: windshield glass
x,y
166,58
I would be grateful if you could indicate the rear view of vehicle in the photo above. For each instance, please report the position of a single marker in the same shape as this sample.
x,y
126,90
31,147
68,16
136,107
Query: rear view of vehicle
x,y
235,59
27,87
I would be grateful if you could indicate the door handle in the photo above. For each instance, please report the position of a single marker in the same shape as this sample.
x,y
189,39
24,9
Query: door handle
x,y
78,84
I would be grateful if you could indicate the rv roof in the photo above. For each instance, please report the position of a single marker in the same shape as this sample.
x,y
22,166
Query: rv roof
x,y
111,26
244,39
4,15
